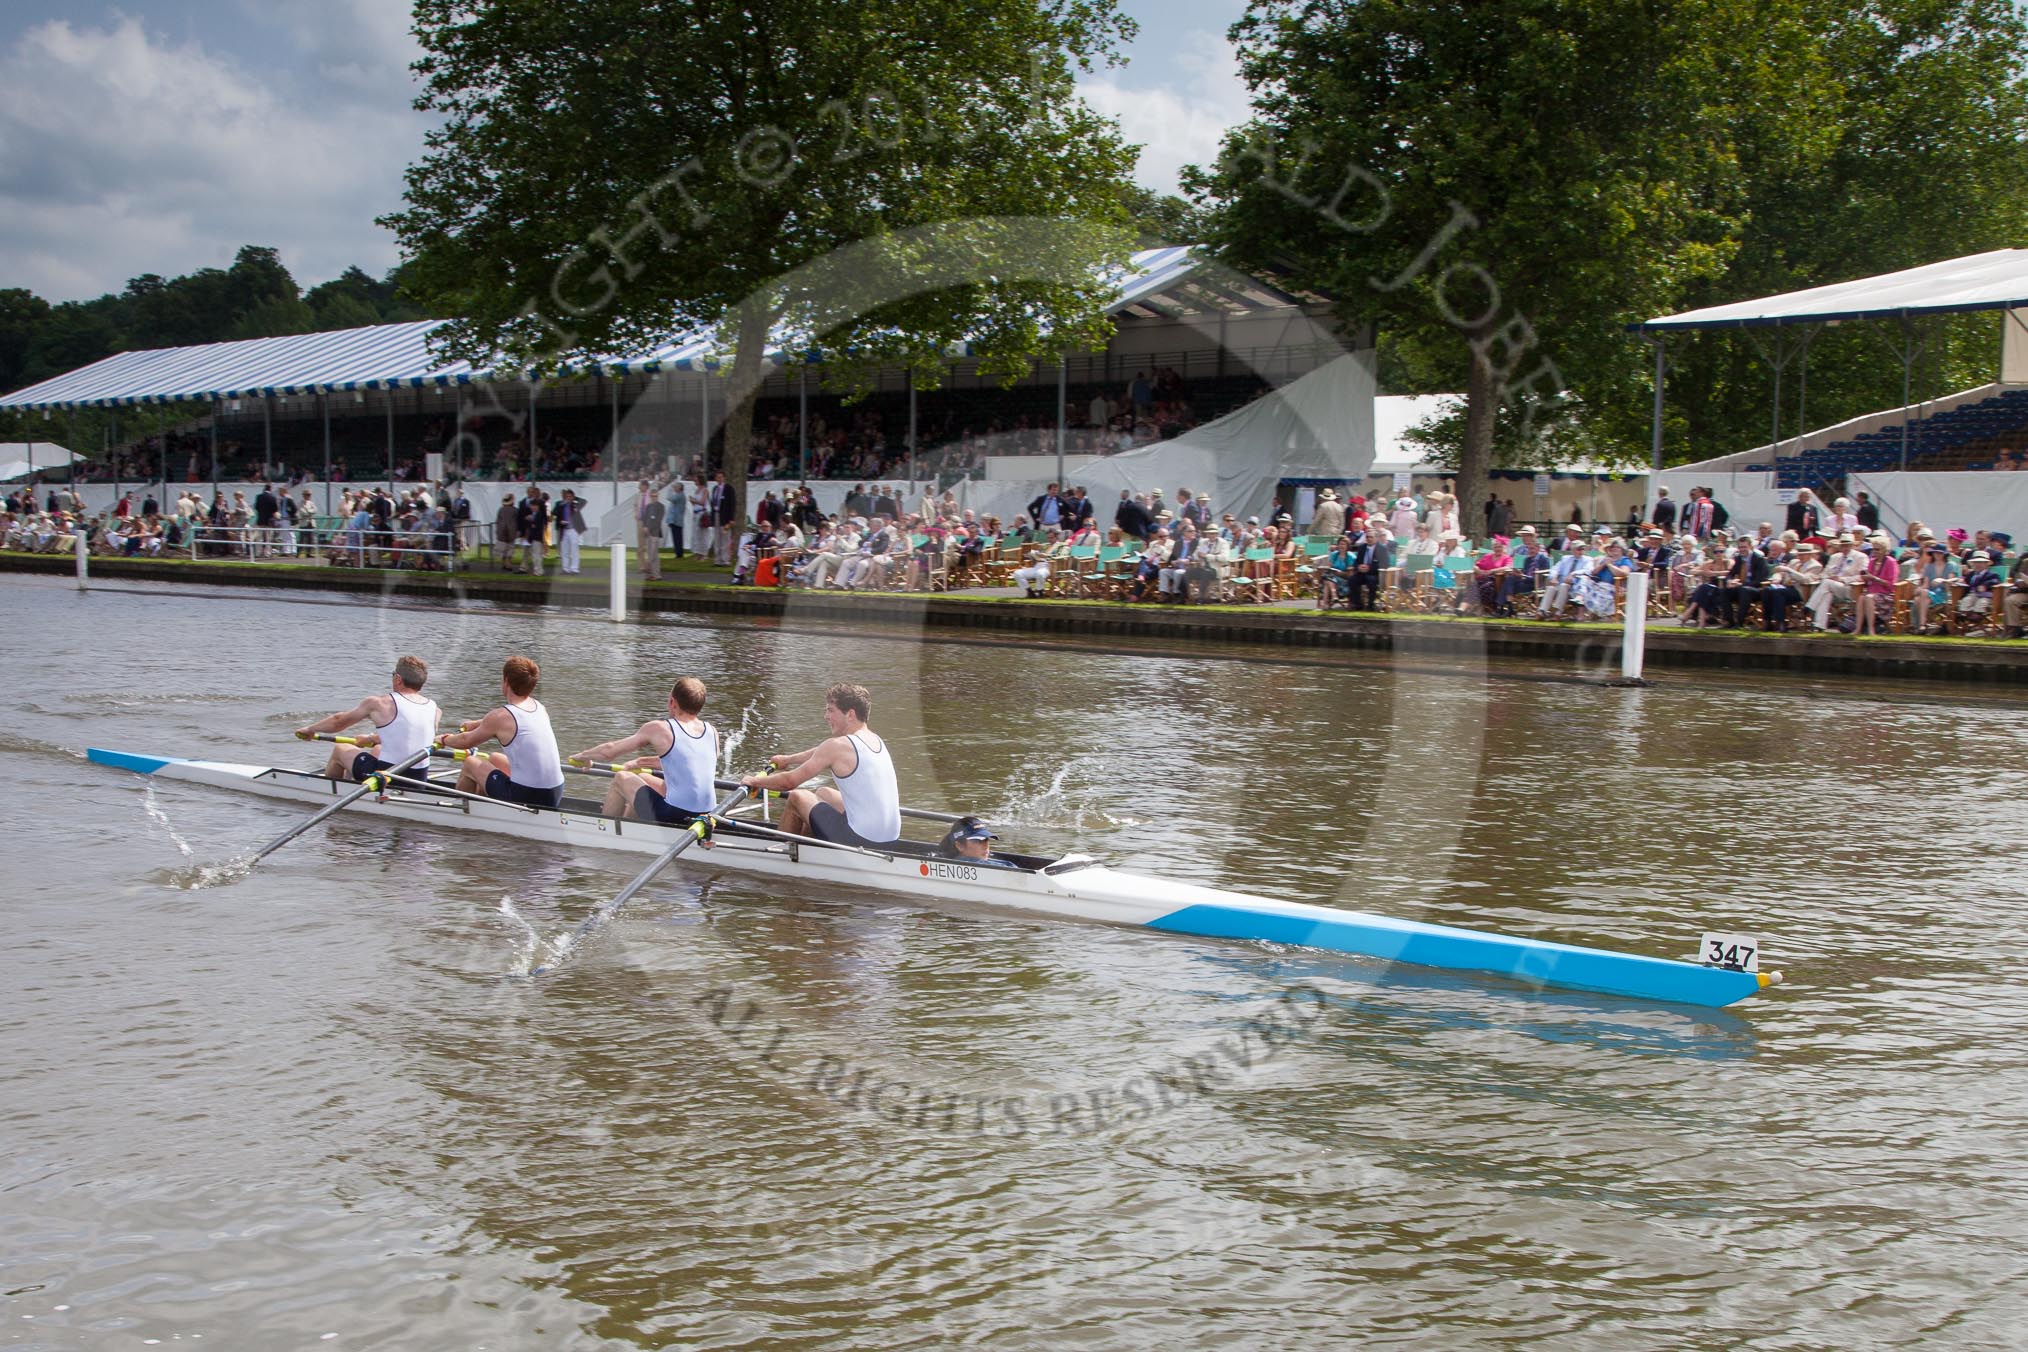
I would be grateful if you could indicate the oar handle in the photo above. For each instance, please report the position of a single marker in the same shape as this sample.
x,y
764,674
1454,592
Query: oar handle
x,y
377,782
920,814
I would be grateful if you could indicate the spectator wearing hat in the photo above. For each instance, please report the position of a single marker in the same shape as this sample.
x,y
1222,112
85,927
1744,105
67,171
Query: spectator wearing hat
x,y
1329,518
1883,575
2016,602
1652,554
1790,579
1980,581
1531,561
1560,579
1844,575
1932,572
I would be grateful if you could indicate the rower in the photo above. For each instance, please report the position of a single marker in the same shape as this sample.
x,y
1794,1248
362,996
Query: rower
x,y
527,769
683,753
406,722
865,806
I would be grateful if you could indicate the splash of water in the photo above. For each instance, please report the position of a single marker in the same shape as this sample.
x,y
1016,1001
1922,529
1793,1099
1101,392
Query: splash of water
x,y
196,877
532,947
730,742
161,819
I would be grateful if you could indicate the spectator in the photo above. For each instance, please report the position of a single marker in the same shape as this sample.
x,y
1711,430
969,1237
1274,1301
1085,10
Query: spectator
x,y
1132,518
1844,576
1664,514
506,526
1804,516
1328,520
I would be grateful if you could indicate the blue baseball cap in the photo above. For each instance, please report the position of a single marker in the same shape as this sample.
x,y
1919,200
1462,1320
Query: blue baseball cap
x,y
973,830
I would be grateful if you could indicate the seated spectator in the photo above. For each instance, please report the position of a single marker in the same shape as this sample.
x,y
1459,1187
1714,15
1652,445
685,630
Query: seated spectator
x,y
1490,576
1876,599
1932,571
1980,581
1706,606
1790,579
1531,561
1844,577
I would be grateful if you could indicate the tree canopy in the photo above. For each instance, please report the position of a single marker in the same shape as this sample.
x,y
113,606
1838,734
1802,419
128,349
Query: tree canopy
x,y
612,172
1506,186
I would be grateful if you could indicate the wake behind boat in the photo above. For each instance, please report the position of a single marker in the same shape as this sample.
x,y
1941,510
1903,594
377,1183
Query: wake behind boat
x,y
1071,887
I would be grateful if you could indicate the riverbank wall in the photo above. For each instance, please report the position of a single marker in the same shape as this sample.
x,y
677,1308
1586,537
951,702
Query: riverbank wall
x,y
1587,648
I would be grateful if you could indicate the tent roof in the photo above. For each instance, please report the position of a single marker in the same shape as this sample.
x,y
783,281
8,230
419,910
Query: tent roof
x,y
397,356
1986,281
19,459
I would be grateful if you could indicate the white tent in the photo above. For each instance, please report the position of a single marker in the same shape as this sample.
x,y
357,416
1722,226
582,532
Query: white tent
x,y
1317,427
19,459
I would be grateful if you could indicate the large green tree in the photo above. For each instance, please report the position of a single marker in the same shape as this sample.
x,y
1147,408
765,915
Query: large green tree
x,y
1925,159
612,172
1502,184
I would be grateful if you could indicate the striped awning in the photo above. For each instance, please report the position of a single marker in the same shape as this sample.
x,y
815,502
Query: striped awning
x,y
397,356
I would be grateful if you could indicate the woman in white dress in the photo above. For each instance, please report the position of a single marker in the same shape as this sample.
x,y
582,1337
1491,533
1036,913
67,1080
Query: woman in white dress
x,y
1402,519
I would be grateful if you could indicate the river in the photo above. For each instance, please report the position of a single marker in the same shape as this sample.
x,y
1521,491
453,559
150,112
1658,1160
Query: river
x,y
311,1108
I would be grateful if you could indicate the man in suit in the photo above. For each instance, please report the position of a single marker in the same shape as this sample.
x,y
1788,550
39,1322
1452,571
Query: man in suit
x,y
1804,517
1370,558
267,515
1080,508
1049,509
506,529
1743,580
676,509
648,513
569,521
1132,518
1169,579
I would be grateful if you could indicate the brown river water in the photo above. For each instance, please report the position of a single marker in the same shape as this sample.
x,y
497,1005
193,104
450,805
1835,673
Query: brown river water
x,y
310,1108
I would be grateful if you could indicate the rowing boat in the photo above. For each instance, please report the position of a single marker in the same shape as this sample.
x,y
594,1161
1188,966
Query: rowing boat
x,y
1072,887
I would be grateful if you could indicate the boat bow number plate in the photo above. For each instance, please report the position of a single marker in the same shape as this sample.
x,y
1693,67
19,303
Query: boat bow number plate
x,y
1734,952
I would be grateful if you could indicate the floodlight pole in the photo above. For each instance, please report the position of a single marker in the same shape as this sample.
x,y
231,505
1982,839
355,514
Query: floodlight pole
x,y
324,400
1655,431
1062,412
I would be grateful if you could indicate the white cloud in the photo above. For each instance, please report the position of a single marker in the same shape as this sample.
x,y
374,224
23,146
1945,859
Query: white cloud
x,y
122,152
1177,112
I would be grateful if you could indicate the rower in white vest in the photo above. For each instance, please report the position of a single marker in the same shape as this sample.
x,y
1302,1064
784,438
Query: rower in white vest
x,y
864,807
674,783
527,768
404,720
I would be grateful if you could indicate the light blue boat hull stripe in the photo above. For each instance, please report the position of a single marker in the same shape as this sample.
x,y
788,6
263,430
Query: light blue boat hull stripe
x,y
1531,961
127,760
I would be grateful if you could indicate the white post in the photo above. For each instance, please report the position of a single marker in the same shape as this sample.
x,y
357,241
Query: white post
x,y
619,580
1633,645
83,568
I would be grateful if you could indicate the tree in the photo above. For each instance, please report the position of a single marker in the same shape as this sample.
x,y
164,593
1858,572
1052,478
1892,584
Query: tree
x,y
1502,185
613,172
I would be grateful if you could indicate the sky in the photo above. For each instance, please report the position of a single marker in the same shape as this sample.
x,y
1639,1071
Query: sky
x,y
159,136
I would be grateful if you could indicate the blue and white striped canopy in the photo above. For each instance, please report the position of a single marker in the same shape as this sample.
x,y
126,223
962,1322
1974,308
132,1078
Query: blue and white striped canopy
x,y
397,356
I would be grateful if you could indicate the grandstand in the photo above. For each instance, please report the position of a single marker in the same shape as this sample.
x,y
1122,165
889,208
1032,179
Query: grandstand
x,y
376,404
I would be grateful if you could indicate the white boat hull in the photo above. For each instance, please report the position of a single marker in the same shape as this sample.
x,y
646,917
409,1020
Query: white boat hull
x,y
1070,889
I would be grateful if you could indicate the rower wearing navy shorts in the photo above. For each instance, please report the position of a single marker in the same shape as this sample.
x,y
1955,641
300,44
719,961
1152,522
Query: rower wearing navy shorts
x,y
404,720
527,768
865,806
674,783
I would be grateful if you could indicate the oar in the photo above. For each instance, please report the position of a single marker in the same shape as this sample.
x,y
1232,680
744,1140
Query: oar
x,y
373,783
697,830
